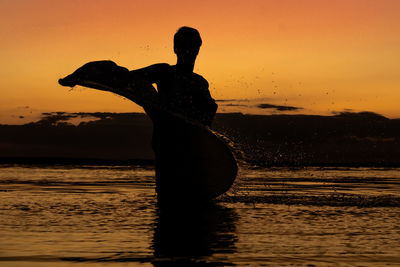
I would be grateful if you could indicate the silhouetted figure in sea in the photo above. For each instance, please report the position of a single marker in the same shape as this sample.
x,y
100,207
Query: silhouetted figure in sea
x,y
180,91
181,95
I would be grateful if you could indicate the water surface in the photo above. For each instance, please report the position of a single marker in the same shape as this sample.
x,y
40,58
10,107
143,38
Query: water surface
x,y
102,215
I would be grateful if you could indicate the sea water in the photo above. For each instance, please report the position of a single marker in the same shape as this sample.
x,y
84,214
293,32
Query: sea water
x,y
108,216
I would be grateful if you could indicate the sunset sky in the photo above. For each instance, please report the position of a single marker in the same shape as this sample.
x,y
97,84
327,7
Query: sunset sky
x,y
324,56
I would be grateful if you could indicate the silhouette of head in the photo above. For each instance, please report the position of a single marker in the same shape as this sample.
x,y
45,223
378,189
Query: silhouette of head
x,y
187,42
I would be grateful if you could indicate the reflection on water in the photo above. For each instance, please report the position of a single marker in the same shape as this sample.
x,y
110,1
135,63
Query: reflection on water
x,y
189,236
91,215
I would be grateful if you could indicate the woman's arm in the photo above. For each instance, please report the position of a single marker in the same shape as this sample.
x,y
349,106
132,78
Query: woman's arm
x,y
152,74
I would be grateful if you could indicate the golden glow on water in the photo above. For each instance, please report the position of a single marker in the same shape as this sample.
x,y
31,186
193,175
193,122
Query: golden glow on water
x,y
62,216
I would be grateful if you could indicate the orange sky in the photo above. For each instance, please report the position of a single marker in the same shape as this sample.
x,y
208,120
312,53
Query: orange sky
x,y
321,55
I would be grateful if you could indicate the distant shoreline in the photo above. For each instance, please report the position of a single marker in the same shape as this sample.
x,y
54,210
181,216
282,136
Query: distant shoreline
x,y
149,162
349,140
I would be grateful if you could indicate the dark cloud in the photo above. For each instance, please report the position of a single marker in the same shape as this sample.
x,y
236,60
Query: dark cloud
x,y
277,107
362,114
